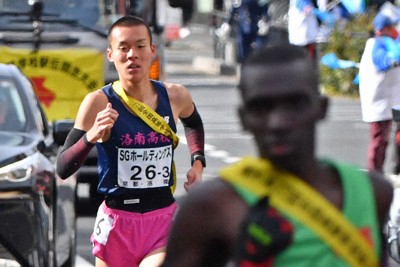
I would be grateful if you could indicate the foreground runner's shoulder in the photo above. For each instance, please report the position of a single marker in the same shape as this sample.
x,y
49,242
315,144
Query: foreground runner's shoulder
x,y
383,190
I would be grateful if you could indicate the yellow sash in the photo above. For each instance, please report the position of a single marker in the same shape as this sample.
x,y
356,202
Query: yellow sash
x,y
291,195
151,118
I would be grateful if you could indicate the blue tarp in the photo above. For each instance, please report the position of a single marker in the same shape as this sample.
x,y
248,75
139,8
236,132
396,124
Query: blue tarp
x,y
330,60
354,6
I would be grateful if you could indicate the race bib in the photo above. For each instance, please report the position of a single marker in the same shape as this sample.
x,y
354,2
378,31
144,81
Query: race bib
x,y
102,227
144,167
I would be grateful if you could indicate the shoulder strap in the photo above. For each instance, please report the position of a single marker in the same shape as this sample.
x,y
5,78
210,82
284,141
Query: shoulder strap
x,y
293,196
151,118
147,114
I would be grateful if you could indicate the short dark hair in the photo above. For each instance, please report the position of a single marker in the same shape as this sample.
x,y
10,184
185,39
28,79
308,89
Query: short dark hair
x,y
275,55
129,20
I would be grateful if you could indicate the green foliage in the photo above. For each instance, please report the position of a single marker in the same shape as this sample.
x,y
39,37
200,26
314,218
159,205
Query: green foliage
x,y
347,42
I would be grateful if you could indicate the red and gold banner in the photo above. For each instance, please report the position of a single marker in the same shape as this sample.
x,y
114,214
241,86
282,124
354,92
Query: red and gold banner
x,y
61,77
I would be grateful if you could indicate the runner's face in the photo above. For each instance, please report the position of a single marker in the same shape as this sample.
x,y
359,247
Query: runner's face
x,y
131,52
281,107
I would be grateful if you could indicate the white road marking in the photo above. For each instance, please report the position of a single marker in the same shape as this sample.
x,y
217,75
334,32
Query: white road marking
x,y
81,262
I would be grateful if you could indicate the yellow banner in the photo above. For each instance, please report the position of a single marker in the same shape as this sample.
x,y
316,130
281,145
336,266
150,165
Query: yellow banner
x,y
61,77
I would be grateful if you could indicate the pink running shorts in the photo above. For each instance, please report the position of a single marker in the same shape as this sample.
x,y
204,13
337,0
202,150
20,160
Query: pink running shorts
x,y
122,238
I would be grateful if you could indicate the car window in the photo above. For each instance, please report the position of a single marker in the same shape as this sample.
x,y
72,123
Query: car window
x,y
12,115
39,114
88,12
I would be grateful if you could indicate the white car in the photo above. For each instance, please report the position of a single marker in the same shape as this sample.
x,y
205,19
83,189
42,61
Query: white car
x,y
37,208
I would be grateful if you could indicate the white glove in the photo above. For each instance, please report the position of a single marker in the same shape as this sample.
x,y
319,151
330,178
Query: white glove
x,y
263,27
223,31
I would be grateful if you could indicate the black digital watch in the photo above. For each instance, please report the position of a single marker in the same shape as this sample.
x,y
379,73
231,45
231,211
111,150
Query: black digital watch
x,y
199,157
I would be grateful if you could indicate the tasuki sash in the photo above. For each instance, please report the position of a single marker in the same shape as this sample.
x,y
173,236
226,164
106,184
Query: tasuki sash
x,y
293,196
151,118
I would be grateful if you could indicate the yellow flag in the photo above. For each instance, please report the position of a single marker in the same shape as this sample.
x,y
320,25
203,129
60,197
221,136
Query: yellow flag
x,y
61,77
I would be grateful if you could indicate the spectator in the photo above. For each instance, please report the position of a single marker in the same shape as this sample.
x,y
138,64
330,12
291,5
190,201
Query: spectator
x,y
244,19
304,25
379,89
284,207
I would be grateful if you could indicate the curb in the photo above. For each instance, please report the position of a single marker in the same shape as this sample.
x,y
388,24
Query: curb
x,y
214,66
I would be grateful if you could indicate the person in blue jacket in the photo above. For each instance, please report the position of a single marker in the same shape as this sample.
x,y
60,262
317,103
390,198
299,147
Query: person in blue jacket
x,y
379,89
246,16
